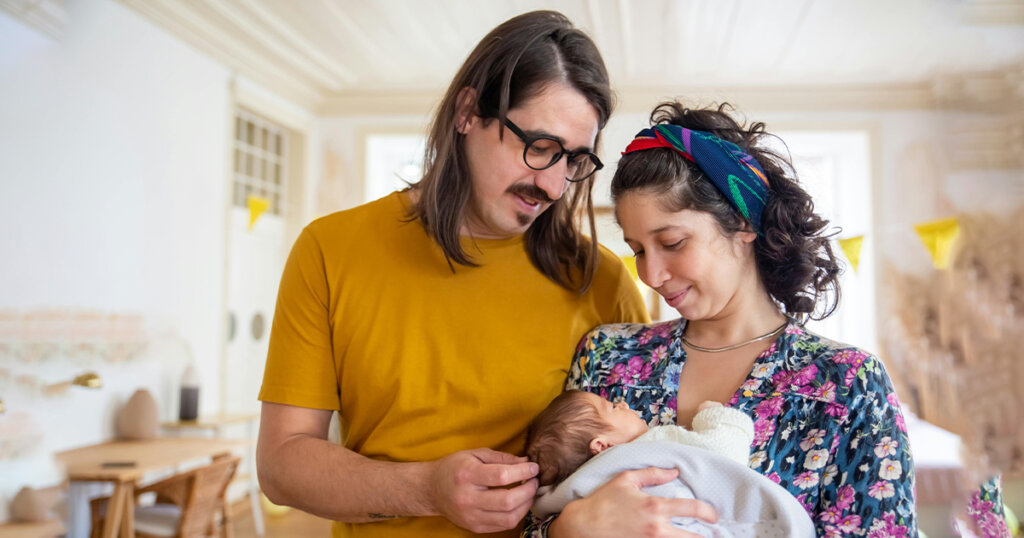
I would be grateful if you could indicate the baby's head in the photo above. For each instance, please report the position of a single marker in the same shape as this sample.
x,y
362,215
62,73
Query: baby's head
x,y
573,428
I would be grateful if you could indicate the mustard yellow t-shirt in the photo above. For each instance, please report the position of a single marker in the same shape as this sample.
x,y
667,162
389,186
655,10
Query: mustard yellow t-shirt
x,y
421,361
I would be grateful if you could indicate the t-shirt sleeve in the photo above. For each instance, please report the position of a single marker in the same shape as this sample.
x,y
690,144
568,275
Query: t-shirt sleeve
x,y
301,369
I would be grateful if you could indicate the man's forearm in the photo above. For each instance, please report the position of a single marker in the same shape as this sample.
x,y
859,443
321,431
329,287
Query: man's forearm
x,y
333,482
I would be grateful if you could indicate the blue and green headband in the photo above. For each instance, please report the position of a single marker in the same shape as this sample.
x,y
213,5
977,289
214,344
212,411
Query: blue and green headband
x,y
736,174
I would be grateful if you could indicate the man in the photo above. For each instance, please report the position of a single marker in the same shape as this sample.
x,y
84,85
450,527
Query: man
x,y
440,320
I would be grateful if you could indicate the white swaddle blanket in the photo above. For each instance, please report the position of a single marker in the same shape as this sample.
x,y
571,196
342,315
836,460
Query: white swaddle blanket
x,y
748,504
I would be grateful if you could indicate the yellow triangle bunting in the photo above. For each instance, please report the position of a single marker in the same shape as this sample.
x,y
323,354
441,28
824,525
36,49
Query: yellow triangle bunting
x,y
938,237
851,248
257,206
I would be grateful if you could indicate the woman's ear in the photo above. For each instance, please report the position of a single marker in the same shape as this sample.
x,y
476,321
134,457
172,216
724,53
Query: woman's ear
x,y
465,109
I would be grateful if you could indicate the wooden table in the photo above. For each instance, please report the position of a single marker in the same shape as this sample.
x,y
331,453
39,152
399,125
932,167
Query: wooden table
x,y
217,424
125,463
39,529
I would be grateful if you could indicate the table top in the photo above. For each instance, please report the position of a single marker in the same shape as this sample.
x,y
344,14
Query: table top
x,y
120,461
212,421
36,529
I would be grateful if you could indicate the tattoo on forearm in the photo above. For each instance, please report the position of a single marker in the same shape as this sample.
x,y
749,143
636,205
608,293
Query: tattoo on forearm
x,y
375,515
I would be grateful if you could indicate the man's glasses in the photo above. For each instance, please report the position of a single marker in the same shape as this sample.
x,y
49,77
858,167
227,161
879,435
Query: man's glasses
x,y
542,152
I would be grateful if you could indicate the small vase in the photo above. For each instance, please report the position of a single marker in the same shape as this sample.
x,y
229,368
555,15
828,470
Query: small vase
x,y
139,418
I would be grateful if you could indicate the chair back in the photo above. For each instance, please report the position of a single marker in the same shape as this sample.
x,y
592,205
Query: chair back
x,y
208,488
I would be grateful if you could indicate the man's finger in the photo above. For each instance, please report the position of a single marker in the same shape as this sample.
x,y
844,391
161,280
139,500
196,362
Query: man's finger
x,y
497,475
507,500
487,455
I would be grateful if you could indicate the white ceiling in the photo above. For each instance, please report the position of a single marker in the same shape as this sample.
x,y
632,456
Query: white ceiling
x,y
324,51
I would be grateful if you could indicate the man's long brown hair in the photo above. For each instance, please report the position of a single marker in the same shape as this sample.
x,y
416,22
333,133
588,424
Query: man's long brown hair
x,y
514,62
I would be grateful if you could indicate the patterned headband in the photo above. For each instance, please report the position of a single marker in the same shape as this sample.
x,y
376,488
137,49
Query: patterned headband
x,y
736,174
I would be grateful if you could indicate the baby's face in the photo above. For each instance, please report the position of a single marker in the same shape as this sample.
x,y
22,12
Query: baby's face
x,y
625,423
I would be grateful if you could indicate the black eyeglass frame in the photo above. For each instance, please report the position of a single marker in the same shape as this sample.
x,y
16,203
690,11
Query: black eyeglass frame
x,y
529,140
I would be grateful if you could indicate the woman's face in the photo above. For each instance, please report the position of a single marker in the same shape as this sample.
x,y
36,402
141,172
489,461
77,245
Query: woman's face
x,y
684,256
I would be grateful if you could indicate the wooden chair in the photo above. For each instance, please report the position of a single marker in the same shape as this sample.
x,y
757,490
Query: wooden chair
x,y
186,504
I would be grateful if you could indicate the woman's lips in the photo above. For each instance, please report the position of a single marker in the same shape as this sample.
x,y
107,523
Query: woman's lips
x,y
676,298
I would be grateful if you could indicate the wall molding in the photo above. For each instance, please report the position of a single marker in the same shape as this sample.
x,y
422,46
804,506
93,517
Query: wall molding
x,y
48,16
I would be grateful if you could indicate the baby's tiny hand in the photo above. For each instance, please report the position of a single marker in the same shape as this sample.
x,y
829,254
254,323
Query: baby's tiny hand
x,y
708,405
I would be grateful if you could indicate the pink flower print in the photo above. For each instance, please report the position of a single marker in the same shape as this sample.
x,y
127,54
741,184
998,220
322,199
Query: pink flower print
x,y
806,390
844,497
827,391
832,514
774,477
802,499
993,526
617,374
893,400
769,408
806,480
645,336
663,330
782,378
851,374
768,352
850,356
813,438
805,375
881,490
850,523
763,430
659,354
886,527
901,424
604,393
886,447
832,532
978,506
834,409
793,329
639,369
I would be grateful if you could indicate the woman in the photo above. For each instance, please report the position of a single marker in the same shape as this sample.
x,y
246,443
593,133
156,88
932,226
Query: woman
x,y
721,229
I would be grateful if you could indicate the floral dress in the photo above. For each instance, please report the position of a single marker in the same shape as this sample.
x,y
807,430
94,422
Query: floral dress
x,y
827,425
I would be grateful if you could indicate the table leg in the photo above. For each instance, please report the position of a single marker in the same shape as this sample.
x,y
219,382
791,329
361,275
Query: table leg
x,y
115,507
128,519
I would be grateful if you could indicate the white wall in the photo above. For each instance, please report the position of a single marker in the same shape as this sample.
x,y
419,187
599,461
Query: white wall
x,y
113,171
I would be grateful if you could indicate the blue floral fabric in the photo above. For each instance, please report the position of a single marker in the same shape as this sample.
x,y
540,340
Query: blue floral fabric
x,y
827,423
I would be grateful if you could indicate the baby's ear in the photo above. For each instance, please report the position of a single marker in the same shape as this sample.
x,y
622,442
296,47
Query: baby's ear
x,y
599,445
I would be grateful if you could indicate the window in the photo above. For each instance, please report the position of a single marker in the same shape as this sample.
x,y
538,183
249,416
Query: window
x,y
261,150
392,162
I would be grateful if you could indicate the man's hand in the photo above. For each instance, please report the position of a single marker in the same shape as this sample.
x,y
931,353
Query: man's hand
x,y
619,508
469,488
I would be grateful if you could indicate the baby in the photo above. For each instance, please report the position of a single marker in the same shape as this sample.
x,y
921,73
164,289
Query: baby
x,y
580,441
578,425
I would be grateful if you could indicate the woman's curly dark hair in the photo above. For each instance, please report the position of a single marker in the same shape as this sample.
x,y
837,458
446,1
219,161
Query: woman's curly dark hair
x,y
793,251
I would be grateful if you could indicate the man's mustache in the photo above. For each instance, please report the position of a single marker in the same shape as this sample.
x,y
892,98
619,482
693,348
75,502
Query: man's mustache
x,y
530,191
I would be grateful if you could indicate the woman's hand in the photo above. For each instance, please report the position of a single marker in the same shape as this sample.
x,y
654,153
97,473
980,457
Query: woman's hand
x,y
619,508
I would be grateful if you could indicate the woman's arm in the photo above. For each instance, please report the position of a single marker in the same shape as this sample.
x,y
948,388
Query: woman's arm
x,y
619,508
868,483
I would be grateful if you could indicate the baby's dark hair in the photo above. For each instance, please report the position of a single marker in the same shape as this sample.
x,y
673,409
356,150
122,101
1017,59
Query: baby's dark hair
x,y
558,440
793,251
